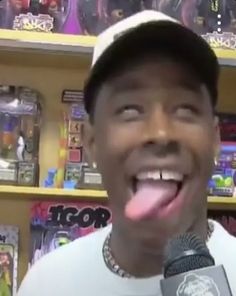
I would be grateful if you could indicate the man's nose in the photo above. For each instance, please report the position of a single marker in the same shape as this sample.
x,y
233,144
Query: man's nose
x,y
159,126
159,133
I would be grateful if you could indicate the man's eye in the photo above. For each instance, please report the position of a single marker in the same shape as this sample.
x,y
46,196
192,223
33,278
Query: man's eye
x,y
187,111
129,112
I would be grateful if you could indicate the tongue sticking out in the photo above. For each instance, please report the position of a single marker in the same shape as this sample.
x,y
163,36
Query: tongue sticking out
x,y
150,197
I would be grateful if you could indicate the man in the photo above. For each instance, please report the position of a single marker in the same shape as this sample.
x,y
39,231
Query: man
x,y
151,129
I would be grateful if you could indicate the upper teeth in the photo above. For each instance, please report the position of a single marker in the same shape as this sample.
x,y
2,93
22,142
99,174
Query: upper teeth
x,y
158,175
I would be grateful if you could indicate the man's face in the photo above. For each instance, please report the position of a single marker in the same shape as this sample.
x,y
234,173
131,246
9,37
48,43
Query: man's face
x,y
154,130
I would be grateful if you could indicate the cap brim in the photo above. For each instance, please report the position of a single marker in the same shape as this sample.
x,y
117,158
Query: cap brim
x,y
166,36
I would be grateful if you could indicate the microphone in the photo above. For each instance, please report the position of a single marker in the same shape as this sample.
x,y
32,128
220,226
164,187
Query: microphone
x,y
189,270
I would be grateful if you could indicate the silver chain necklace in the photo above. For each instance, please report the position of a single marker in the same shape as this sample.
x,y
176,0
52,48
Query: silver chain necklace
x,y
113,265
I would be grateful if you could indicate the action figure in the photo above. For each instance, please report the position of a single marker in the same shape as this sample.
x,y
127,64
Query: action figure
x,y
119,9
4,288
92,16
205,15
171,7
20,146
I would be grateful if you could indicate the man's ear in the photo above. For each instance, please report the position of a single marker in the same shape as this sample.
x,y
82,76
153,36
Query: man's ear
x,y
88,141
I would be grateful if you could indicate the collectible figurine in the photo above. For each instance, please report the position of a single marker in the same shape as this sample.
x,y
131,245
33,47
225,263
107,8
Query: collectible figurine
x,y
4,288
61,238
119,9
210,16
92,16
20,150
19,135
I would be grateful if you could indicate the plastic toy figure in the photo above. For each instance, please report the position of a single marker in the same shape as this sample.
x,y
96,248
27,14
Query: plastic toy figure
x,y
93,16
49,6
61,238
119,9
148,4
18,5
4,288
20,146
204,15
175,8
8,135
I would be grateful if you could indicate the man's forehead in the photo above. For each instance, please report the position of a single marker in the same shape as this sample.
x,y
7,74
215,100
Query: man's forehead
x,y
140,73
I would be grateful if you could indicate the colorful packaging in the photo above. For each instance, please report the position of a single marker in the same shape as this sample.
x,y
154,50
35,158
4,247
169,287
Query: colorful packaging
x,y
226,218
54,224
9,237
215,20
20,118
223,180
227,122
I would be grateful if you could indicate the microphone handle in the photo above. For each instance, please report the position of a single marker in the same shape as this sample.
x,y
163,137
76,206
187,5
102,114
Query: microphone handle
x,y
212,280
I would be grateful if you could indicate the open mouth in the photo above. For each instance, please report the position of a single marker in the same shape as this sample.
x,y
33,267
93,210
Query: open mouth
x,y
152,191
156,178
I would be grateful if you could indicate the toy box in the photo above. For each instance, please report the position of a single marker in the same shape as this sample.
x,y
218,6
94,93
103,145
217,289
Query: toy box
x,y
20,111
33,15
60,16
226,218
9,238
227,123
223,181
54,224
214,19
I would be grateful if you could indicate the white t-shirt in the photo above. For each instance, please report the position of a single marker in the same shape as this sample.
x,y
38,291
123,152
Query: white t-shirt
x,y
78,269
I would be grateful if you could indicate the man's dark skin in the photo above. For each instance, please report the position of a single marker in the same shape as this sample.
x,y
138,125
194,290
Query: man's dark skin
x,y
154,113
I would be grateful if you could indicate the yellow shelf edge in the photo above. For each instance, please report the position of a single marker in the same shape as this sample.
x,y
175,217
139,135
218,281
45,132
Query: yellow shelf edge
x,y
222,200
94,194
73,41
225,53
40,191
47,38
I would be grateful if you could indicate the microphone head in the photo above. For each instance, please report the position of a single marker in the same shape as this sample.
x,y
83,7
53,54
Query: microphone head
x,y
184,253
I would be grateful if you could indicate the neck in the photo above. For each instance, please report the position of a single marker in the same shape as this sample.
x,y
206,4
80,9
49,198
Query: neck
x,y
138,260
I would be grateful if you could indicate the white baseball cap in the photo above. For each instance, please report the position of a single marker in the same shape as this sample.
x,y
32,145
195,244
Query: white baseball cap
x,y
149,31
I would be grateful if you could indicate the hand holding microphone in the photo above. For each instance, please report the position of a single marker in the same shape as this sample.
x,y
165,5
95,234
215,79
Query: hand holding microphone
x,y
190,270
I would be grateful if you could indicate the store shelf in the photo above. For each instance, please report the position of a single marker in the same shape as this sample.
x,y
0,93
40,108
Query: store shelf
x,y
45,49
222,203
46,42
226,57
45,193
64,46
